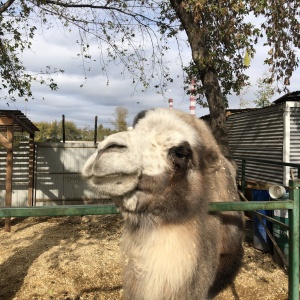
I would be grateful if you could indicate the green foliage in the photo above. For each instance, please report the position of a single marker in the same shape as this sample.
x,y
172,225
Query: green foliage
x,y
281,28
16,34
52,132
119,122
102,132
247,59
244,103
264,93
49,132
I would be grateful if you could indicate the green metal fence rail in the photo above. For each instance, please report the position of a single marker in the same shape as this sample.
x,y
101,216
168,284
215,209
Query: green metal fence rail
x,y
292,205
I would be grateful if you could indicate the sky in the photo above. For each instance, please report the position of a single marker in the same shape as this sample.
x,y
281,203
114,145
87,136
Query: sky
x,y
99,98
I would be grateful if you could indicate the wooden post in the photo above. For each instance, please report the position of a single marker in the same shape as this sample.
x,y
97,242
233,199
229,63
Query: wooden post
x,y
31,170
9,168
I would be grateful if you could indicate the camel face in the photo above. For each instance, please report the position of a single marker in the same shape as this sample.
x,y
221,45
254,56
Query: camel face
x,y
159,148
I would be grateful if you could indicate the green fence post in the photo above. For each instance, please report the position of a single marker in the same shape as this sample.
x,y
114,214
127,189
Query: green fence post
x,y
294,241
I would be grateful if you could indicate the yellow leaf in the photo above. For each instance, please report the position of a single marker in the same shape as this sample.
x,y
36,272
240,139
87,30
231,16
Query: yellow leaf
x,y
247,59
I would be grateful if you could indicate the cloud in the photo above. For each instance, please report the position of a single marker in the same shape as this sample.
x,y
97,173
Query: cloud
x,y
103,92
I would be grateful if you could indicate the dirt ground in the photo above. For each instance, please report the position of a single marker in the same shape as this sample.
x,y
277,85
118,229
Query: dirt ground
x,y
77,258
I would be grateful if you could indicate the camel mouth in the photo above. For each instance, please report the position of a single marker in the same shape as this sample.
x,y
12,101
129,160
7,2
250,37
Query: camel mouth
x,y
114,184
100,179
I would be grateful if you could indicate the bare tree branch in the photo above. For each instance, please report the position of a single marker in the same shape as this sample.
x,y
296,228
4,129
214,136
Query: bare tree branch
x,y
136,16
6,5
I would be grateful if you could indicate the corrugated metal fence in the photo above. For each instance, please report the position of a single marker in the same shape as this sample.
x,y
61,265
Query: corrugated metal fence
x,y
57,174
20,175
258,134
58,177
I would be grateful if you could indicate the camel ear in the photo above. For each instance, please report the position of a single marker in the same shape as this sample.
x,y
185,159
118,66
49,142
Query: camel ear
x,y
139,116
210,154
212,158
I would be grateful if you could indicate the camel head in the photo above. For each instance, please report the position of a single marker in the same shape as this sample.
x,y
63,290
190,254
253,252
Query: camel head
x,y
165,156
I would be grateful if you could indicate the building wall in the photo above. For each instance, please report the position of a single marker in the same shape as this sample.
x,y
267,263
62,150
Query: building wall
x,y
58,177
295,135
258,134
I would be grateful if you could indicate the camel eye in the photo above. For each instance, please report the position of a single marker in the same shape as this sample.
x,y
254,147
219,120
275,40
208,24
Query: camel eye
x,y
180,156
180,152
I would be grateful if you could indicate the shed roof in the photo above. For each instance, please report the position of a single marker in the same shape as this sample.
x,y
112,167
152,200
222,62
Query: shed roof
x,y
20,121
229,112
294,96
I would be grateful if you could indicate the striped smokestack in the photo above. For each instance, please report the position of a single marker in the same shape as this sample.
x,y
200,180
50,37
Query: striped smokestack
x,y
192,98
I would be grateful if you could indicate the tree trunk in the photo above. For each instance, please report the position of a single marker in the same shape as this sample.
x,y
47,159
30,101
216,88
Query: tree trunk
x,y
216,108
208,76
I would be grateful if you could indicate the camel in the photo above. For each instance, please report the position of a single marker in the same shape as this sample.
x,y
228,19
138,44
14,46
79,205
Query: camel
x,y
162,175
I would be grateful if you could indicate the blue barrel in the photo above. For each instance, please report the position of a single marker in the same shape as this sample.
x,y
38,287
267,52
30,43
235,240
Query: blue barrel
x,y
261,240
281,234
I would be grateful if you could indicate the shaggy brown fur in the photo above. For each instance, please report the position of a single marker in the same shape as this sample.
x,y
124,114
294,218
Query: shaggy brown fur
x,y
163,174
